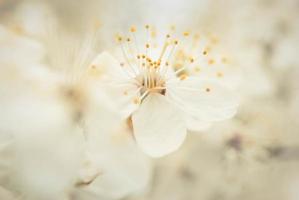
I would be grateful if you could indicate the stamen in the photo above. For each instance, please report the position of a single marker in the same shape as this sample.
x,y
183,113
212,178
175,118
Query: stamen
x,y
163,49
219,74
183,77
136,100
119,38
127,59
186,34
133,29
197,69
224,60
151,73
211,61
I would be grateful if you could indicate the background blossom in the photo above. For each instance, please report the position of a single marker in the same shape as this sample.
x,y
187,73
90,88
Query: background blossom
x,y
62,135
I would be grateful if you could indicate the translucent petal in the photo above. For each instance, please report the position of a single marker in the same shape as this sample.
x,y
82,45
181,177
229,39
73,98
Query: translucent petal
x,y
159,127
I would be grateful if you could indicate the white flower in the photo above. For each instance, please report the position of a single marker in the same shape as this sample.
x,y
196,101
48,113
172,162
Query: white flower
x,y
115,167
49,122
161,102
45,151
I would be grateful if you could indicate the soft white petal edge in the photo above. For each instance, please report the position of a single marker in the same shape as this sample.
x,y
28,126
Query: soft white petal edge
x,y
109,64
205,100
196,125
118,84
159,127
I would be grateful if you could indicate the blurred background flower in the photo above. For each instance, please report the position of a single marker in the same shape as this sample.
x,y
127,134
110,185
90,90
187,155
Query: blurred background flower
x,y
61,136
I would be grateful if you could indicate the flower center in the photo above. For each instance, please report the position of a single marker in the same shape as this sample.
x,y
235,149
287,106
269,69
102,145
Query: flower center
x,y
152,61
151,82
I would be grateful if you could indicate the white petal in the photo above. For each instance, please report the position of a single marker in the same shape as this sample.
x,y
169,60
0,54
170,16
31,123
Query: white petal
x,y
120,88
205,100
159,128
196,125
125,98
122,167
109,65
26,50
46,150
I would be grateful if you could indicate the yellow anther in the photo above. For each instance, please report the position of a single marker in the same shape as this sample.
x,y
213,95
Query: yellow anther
x,y
125,92
147,26
192,60
167,36
197,69
158,63
172,27
214,40
183,76
208,89
128,39
166,63
224,60
186,34
122,64
138,56
136,100
133,29
211,61
119,38
147,46
143,56
219,74
153,34
175,42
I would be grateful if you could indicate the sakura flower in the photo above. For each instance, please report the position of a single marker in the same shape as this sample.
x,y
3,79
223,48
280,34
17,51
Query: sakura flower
x,y
34,121
52,123
113,166
162,102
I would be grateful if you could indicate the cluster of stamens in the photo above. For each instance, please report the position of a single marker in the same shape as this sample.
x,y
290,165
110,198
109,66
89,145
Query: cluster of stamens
x,y
148,64
148,70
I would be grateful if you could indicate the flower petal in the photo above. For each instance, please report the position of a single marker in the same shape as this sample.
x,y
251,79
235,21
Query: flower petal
x,y
122,167
107,64
120,88
196,125
205,100
158,126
